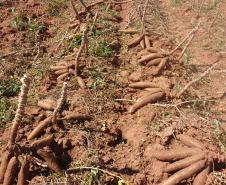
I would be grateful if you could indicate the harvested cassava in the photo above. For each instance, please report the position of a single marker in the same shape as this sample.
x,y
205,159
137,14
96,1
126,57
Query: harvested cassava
x,y
11,171
174,155
201,178
162,64
4,164
43,142
147,41
47,104
81,82
142,44
155,61
129,31
191,142
145,100
185,173
62,71
183,163
62,76
56,68
135,40
40,128
24,173
142,85
72,26
51,161
149,57
75,116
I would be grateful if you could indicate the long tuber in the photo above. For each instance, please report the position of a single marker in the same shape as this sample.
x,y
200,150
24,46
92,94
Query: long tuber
x,y
145,100
75,116
11,171
24,174
4,164
173,155
135,40
40,128
151,56
201,178
43,142
185,173
190,142
51,161
183,163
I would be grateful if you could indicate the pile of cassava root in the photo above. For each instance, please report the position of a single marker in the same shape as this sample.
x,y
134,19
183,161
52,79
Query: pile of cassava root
x,y
195,161
17,155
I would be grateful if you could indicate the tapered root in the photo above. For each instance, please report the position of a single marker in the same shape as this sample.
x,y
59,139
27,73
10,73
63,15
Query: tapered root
x,y
190,142
51,161
11,171
184,162
174,155
185,173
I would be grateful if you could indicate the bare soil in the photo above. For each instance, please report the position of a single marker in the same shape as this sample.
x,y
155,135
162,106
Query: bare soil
x,y
117,142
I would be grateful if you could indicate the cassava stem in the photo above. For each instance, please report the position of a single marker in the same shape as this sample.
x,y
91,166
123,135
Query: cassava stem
x,y
20,110
61,102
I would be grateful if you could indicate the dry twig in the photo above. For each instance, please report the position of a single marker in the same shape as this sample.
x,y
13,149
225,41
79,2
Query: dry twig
x,y
76,12
197,79
215,17
192,32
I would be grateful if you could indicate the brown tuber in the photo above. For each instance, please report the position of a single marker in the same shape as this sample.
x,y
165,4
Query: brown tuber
x,y
4,164
40,128
24,174
185,173
11,171
48,104
43,142
145,100
183,163
173,155
51,161
141,85
135,40
190,142
149,57
75,116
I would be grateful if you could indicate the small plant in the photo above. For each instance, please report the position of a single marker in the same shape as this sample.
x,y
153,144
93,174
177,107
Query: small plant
x,y
176,3
54,6
6,113
101,49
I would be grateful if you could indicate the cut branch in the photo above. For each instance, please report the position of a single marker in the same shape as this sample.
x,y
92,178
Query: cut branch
x,y
197,79
76,12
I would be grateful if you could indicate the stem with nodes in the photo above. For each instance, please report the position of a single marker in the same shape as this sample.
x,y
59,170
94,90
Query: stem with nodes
x,y
21,106
84,42
61,102
192,32
197,79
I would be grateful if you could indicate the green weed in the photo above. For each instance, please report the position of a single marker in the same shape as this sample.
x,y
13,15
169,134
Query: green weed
x,y
9,87
101,49
6,110
54,6
177,3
